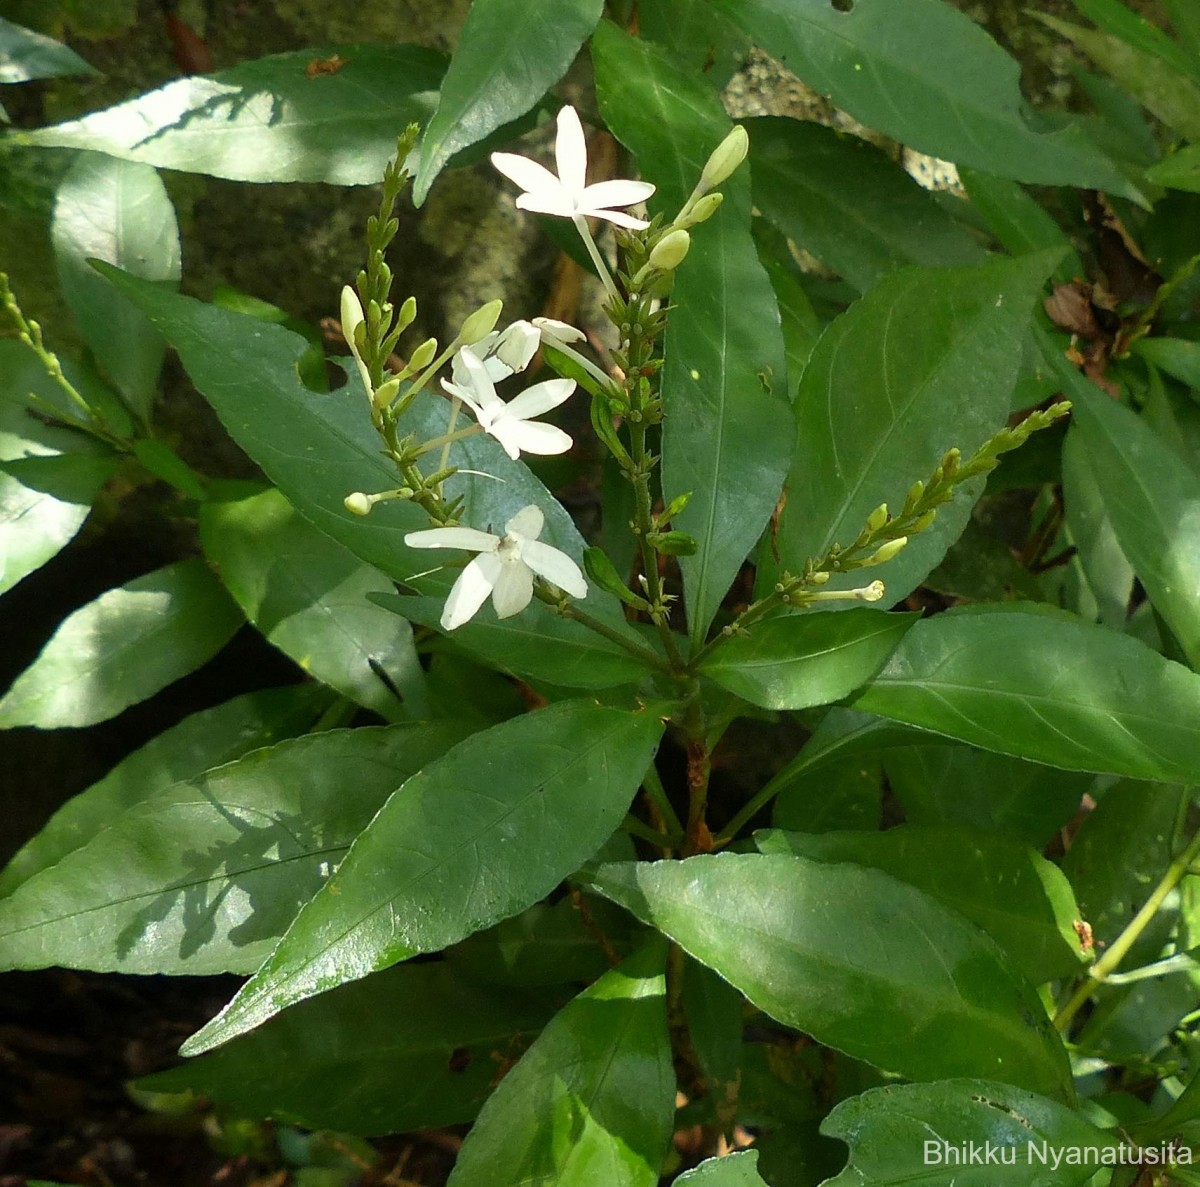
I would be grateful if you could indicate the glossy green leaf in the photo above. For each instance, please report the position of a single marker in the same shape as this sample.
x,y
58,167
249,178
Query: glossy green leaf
x,y
1175,356
702,40
198,743
909,1134
318,448
925,74
308,596
804,660
270,119
204,876
727,437
472,839
124,647
510,52
800,324
1043,685
117,211
592,1102
1006,889
939,784
733,1170
26,55
1178,171
834,795
923,363
1153,502
421,1041
43,503
855,958
856,210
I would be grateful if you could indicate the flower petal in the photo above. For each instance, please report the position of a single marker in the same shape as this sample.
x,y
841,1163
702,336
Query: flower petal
x,y
559,204
558,330
533,401
529,436
516,347
616,217
616,192
529,175
471,589
527,523
556,567
468,538
570,151
478,380
514,588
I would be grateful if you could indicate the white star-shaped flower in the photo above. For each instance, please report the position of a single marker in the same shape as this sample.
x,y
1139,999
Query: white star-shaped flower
x,y
505,352
510,423
504,568
568,195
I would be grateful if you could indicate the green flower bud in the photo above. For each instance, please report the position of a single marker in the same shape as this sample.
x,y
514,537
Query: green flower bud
x,y
923,524
672,543
701,210
423,355
358,503
407,314
726,157
386,392
670,250
886,552
604,574
481,322
877,518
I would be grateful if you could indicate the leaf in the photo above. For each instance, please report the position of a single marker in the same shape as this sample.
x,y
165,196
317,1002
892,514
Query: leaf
x,y
732,1170
848,794
1152,499
801,326
1176,356
804,660
26,55
116,211
1046,686
925,362
269,119
43,503
308,596
840,198
896,1133
727,436
699,39
925,74
196,744
319,448
122,648
470,840
413,1047
857,959
592,1102
510,52
1113,17
204,876
1006,889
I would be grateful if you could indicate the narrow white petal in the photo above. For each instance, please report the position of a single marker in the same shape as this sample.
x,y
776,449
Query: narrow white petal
x,y
529,436
559,203
539,398
468,538
617,218
527,523
514,588
556,567
470,591
550,328
616,192
478,379
570,151
529,175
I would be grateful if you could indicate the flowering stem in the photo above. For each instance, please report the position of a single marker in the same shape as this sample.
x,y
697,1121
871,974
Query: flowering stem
x,y
446,440
643,653
455,405
1119,948
597,259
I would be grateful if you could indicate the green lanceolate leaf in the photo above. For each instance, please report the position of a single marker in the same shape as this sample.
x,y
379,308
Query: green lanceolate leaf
x,y
422,1042
854,957
471,840
117,211
806,660
928,76
727,434
733,1170
328,115
1043,685
26,55
510,52
925,362
919,1135
1179,171
205,876
204,740
1176,356
1006,889
318,448
308,596
700,39
124,647
840,198
592,1102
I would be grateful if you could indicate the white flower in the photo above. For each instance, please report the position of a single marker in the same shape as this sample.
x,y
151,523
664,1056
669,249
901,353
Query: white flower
x,y
505,352
504,568
568,195
510,423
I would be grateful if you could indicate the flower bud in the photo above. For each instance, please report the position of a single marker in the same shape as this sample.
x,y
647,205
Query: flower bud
x,y
670,250
423,355
481,322
407,315
700,211
726,157
873,592
923,523
877,518
386,392
352,315
358,503
886,552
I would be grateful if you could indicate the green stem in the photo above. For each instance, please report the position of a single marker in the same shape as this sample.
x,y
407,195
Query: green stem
x,y
1119,948
749,810
652,785
446,439
632,825
640,651
597,259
